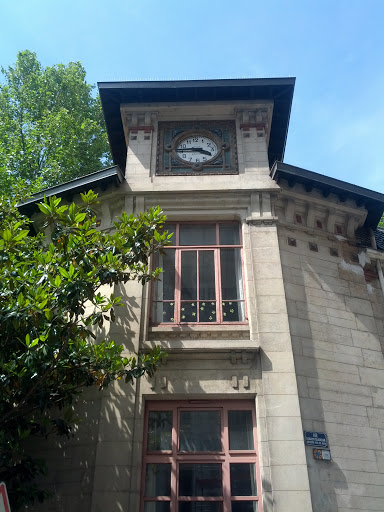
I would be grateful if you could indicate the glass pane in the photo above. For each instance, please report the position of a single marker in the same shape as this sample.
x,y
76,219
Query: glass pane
x,y
159,430
240,430
207,288
157,506
207,311
243,479
245,506
163,312
165,285
200,480
189,275
158,480
231,274
188,312
200,431
229,234
197,234
200,506
233,311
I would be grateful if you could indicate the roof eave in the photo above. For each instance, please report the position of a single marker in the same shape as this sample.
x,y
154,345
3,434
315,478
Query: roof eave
x,y
371,200
99,179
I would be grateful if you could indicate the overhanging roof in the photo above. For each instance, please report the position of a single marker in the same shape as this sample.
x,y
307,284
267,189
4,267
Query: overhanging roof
x,y
279,90
371,200
98,179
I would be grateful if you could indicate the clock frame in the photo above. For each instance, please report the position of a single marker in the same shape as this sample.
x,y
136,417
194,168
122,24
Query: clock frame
x,y
172,134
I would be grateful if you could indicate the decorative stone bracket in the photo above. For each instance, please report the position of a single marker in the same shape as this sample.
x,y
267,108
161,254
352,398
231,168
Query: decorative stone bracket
x,y
241,356
258,119
261,210
161,381
136,122
244,380
310,210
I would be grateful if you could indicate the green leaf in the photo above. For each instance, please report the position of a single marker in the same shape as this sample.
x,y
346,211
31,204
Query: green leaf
x,y
44,208
48,314
72,211
22,234
63,272
80,217
7,235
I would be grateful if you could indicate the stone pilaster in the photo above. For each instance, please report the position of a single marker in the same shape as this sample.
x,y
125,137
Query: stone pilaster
x,y
282,461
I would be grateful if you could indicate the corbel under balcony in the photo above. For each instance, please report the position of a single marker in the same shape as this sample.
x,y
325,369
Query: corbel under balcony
x,y
374,254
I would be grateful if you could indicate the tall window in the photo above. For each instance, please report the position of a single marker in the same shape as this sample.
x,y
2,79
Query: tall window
x,y
200,457
203,279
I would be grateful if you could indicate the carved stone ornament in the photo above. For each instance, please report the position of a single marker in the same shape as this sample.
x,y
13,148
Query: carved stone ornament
x,y
261,221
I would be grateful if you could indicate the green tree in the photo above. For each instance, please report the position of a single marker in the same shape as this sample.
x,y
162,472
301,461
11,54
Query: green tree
x,y
51,124
50,308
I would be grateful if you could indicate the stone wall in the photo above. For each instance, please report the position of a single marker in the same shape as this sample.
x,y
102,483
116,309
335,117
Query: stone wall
x,y
336,312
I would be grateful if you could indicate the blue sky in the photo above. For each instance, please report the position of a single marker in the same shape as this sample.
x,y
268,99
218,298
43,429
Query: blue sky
x,y
335,49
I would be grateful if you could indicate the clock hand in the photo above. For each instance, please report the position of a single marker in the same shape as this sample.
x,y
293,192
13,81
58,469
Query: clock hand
x,y
199,150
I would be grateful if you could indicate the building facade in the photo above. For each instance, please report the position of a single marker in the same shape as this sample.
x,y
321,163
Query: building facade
x,y
271,309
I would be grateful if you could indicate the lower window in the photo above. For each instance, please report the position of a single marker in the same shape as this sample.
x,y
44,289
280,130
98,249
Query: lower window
x,y
200,456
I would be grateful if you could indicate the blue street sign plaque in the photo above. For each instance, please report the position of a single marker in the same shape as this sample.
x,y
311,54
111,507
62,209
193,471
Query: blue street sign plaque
x,y
316,439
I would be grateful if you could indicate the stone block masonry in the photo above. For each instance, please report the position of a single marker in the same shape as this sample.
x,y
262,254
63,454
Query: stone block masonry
x,y
334,318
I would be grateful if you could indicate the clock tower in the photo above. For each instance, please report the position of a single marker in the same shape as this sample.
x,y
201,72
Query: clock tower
x,y
203,150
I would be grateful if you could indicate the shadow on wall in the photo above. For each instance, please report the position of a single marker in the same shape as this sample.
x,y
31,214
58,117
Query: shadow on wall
x,y
336,344
100,467
105,420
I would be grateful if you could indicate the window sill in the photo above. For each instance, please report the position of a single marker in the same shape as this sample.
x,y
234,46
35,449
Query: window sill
x,y
199,332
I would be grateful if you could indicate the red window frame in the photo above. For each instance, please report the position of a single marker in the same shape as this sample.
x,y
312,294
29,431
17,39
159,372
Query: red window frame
x,y
225,456
219,302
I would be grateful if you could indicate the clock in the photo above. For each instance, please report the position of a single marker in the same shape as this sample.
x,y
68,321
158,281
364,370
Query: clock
x,y
196,147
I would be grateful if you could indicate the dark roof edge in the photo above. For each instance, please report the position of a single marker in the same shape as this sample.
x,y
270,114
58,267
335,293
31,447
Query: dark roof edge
x,y
174,84
373,201
291,170
286,128
103,177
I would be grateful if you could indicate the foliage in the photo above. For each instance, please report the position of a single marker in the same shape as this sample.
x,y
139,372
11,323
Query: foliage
x,y
51,126
51,304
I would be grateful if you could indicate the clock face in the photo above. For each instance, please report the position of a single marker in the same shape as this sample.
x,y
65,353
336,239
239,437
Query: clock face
x,y
197,149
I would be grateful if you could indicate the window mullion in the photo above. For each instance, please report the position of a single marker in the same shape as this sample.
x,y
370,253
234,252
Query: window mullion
x,y
197,285
227,505
177,285
174,483
219,308
243,283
